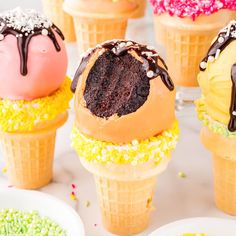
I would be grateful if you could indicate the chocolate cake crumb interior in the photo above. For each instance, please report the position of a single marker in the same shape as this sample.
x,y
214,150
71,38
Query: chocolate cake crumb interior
x,y
116,85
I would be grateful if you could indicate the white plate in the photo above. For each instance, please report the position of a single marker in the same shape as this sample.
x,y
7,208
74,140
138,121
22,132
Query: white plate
x,y
209,226
46,205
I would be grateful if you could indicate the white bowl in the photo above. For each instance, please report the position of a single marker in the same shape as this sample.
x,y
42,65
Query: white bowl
x,y
209,226
46,205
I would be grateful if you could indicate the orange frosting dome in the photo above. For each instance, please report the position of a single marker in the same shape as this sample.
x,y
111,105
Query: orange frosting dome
x,y
154,116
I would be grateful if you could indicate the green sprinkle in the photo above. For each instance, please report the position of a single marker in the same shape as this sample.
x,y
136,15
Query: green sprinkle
x,y
87,204
19,223
182,174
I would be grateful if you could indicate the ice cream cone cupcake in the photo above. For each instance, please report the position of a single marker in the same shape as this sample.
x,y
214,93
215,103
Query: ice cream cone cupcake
x,y
217,110
99,20
186,29
118,134
53,9
34,95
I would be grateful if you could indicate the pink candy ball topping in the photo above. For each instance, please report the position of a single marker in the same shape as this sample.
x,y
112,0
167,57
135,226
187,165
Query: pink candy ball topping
x,y
187,8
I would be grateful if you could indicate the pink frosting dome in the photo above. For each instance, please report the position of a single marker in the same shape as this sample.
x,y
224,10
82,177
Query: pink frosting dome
x,y
46,57
186,8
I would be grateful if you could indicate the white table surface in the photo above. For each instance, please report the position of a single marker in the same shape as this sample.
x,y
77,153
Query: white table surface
x,y
175,198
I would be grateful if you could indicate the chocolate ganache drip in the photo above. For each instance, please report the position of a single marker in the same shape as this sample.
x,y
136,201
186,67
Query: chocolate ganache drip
x,y
232,122
24,25
121,47
225,37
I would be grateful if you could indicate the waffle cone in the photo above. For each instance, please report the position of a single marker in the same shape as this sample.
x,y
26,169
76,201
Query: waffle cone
x,y
224,169
233,15
125,194
53,9
92,31
187,42
29,156
141,8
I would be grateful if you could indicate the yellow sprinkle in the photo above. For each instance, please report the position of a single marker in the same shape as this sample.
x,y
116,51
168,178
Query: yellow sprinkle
x,y
87,204
182,174
4,170
22,115
154,148
73,197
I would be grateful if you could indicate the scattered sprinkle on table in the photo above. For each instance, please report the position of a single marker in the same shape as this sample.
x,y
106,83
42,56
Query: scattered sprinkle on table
x,y
19,223
182,174
87,204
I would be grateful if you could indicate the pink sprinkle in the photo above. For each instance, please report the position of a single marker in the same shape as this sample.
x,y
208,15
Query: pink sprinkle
x,y
73,193
229,4
73,186
189,8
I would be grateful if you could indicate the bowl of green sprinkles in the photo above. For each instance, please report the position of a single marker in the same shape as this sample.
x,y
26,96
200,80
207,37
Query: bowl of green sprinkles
x,y
200,226
32,213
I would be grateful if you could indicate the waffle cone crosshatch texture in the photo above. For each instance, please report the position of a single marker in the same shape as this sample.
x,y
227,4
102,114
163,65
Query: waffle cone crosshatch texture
x,y
125,206
29,156
98,21
186,43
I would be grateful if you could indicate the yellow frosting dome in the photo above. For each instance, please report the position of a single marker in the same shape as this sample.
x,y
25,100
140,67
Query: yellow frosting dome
x,y
216,84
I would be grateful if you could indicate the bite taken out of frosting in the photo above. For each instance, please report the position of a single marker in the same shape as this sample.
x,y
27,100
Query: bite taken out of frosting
x,y
123,92
33,58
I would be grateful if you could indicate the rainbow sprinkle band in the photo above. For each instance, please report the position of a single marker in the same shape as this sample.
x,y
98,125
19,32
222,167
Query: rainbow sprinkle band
x,y
190,8
213,125
23,115
134,153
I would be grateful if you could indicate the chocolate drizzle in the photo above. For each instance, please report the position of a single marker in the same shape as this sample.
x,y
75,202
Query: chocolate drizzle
x,y
24,37
225,37
118,48
232,122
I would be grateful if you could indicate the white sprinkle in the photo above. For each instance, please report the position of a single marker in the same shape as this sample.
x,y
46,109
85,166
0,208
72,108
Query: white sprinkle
x,y
211,58
135,142
155,55
25,20
44,32
148,54
150,48
217,53
221,39
123,44
234,113
229,28
129,44
150,74
26,34
203,65
1,37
